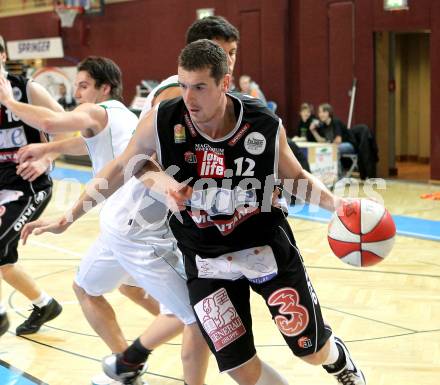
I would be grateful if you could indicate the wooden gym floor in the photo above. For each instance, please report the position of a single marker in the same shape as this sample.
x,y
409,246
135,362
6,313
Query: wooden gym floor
x,y
389,314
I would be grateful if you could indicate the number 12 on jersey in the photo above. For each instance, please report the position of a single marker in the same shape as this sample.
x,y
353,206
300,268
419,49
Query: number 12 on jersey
x,y
249,165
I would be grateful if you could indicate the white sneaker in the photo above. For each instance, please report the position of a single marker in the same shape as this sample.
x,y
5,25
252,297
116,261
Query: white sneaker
x,y
350,374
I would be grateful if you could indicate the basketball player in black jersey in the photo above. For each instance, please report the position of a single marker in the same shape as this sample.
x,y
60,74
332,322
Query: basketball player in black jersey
x,y
25,190
233,151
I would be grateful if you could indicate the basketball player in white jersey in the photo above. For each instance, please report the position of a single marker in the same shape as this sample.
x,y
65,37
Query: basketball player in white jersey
x,y
131,240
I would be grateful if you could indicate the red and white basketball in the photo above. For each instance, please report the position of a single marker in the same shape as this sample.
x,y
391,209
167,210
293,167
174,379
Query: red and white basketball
x,y
361,232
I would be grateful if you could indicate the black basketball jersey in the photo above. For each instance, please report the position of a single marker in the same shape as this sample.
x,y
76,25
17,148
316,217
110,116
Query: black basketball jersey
x,y
233,177
14,134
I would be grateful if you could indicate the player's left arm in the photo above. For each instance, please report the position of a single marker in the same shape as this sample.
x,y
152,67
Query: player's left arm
x,y
45,114
298,181
31,169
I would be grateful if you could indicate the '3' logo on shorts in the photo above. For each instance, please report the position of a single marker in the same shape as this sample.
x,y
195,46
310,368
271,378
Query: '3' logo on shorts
x,y
293,318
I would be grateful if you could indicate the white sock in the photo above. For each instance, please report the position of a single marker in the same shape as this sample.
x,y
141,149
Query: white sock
x,y
333,354
2,309
42,300
270,376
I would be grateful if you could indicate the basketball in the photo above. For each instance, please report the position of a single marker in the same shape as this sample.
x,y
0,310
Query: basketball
x,y
361,232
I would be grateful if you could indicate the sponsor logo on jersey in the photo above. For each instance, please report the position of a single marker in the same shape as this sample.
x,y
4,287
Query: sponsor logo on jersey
x,y
225,226
16,92
179,134
12,137
255,143
207,147
222,201
190,157
190,125
220,319
210,164
8,156
240,133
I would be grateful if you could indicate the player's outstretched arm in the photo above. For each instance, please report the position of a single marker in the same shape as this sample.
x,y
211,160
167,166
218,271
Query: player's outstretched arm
x,y
71,146
45,114
299,182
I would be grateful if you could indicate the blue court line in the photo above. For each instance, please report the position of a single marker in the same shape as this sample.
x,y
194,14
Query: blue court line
x,y
407,226
13,376
60,173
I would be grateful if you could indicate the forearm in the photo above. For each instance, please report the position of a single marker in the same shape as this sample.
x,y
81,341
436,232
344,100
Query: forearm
x,y
100,188
310,189
71,146
34,116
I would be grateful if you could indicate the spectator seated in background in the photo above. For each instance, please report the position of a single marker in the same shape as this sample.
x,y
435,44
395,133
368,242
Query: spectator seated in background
x,y
249,87
332,130
307,119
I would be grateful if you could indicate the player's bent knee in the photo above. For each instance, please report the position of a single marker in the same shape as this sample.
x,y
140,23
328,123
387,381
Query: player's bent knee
x,y
81,293
78,290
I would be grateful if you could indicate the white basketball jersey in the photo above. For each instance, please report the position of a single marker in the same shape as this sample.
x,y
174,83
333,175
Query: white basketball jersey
x,y
130,211
113,139
172,81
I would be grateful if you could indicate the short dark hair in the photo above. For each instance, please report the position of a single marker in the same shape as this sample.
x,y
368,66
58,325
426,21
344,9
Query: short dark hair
x,y
326,107
212,27
203,54
103,71
2,48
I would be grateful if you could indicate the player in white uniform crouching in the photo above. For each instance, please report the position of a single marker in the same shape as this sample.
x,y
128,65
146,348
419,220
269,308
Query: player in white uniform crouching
x,y
135,246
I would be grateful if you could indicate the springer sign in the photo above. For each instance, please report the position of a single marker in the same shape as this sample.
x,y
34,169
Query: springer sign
x,y
46,48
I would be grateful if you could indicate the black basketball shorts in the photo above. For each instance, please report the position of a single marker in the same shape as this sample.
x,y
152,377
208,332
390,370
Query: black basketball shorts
x,y
219,290
14,214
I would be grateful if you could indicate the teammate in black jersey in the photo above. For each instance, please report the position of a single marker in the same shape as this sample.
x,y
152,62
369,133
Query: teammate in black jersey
x,y
233,152
25,190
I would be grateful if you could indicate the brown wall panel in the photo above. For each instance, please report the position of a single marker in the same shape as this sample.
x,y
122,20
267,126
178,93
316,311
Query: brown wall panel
x,y
341,60
250,45
435,89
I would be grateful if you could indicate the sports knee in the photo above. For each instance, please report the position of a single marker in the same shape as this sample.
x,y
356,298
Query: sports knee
x,y
80,293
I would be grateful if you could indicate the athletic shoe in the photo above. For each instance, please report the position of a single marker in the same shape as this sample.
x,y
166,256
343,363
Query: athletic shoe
x,y
38,317
4,323
350,374
127,374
